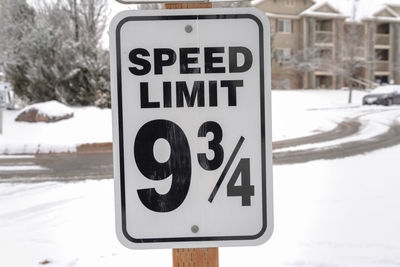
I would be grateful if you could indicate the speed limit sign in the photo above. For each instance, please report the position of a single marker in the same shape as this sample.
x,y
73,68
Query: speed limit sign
x,y
192,127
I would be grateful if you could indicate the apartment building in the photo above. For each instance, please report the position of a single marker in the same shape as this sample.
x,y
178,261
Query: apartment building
x,y
383,45
311,49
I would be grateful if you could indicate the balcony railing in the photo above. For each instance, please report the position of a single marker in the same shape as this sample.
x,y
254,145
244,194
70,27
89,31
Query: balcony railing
x,y
382,66
323,37
382,39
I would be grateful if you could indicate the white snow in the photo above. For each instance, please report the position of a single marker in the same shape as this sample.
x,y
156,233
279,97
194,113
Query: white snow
x,y
387,89
327,213
297,113
16,156
21,168
89,125
50,109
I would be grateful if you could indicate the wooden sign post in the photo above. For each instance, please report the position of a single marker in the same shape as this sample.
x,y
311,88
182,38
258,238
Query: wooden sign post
x,y
196,257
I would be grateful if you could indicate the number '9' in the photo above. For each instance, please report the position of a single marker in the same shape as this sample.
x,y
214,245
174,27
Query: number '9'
x,y
178,165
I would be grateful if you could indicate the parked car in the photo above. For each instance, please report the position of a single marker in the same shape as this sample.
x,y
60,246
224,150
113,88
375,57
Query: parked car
x,y
384,95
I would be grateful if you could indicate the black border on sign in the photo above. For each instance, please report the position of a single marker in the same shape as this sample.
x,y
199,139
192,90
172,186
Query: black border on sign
x,y
121,136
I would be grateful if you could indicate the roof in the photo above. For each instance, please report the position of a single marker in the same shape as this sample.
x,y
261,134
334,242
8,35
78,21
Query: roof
x,y
384,13
318,11
381,10
273,15
366,9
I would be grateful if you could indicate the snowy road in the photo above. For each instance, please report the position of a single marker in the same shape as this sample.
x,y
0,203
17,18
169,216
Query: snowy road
x,y
56,167
349,138
343,129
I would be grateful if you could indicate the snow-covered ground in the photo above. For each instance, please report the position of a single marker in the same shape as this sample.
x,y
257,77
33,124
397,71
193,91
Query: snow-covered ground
x,y
304,112
327,214
89,125
294,114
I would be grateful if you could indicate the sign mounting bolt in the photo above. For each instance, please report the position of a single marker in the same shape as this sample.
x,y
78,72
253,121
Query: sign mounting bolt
x,y
188,28
195,229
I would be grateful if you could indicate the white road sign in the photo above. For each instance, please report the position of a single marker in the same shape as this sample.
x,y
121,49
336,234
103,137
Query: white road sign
x,y
192,127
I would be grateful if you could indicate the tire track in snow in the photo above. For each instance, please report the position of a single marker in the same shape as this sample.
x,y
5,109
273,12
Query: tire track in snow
x,y
343,129
387,139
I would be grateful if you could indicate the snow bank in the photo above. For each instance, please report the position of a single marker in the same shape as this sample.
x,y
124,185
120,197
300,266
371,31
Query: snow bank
x,y
50,109
89,125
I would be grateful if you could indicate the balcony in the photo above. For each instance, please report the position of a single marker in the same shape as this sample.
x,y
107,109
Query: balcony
x,y
383,28
382,66
324,38
382,40
324,25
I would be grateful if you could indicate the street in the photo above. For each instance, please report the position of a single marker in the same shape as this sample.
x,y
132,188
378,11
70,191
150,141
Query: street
x,y
59,167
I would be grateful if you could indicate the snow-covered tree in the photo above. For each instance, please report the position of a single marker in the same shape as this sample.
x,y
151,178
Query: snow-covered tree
x,y
51,60
18,20
308,60
353,61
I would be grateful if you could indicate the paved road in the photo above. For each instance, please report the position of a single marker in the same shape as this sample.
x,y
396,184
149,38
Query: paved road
x,y
390,138
61,167
343,129
97,163
346,128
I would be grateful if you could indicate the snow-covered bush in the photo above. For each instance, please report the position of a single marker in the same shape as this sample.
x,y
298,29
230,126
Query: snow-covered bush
x,y
50,111
51,59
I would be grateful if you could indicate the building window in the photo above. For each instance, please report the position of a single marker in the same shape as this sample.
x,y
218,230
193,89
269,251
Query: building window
x,y
290,3
284,25
283,55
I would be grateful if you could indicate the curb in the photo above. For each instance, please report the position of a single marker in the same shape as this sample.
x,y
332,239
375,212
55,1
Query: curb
x,y
94,148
